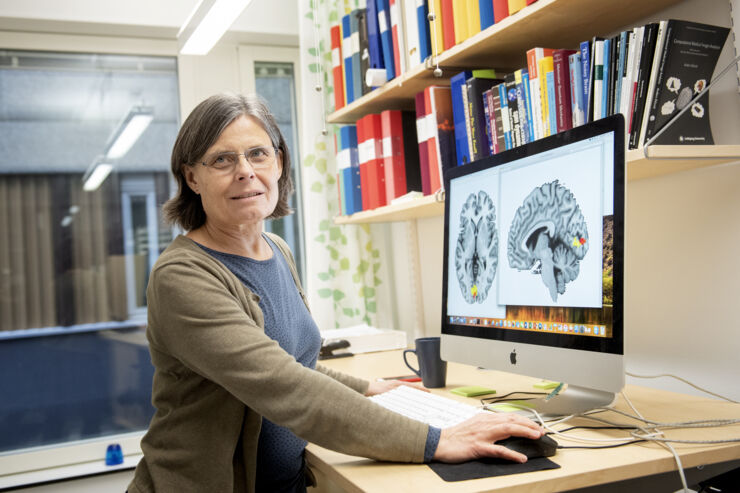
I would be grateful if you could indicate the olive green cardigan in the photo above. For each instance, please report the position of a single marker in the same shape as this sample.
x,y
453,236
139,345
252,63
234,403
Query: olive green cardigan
x,y
217,373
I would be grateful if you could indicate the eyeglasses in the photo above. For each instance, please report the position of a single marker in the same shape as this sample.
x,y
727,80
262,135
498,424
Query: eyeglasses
x,y
261,157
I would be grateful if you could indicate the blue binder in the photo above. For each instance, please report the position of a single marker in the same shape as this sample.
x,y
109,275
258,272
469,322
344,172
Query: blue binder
x,y
351,174
386,39
357,74
457,85
425,41
347,55
486,13
373,36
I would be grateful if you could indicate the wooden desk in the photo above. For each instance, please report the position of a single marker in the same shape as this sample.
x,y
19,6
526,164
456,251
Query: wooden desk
x,y
580,468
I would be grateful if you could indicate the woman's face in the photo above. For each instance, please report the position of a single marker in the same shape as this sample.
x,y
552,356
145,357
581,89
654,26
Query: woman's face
x,y
244,195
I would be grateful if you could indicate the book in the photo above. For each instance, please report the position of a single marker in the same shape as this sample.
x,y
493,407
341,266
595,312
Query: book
x,y
624,39
376,164
443,134
400,153
347,54
521,78
411,34
436,29
685,67
364,149
488,111
336,66
606,74
586,69
632,74
476,86
386,39
576,90
625,104
544,67
500,10
533,57
659,41
505,117
643,75
474,16
422,135
399,47
598,84
350,165
364,49
457,87
552,106
511,101
499,143
561,73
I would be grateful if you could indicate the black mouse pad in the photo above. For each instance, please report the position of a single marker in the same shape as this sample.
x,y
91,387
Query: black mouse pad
x,y
488,468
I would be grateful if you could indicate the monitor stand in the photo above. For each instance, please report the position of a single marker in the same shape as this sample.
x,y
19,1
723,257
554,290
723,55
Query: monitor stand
x,y
573,400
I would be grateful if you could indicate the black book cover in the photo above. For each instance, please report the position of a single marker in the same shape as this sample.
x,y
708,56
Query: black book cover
x,y
476,87
498,121
687,62
411,152
643,79
516,126
613,66
364,48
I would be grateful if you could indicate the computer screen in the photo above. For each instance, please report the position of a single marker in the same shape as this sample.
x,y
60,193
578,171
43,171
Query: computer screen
x,y
533,259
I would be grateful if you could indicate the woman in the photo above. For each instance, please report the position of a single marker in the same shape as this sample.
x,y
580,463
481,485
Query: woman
x,y
236,387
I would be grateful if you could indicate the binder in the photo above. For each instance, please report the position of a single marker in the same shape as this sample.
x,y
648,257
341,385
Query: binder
x,y
400,153
364,49
516,5
422,135
354,19
486,13
336,66
448,24
460,20
411,34
342,163
350,169
436,36
364,148
373,37
376,165
386,39
474,17
457,86
500,10
347,54
425,45
399,47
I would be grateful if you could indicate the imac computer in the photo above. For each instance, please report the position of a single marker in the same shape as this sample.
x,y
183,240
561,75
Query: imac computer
x,y
534,264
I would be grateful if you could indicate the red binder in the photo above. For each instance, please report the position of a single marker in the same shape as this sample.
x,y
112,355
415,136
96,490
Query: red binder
x,y
364,158
336,66
500,10
448,25
422,137
375,168
397,36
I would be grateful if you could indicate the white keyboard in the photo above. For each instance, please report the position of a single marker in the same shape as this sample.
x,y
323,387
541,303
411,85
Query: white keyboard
x,y
426,407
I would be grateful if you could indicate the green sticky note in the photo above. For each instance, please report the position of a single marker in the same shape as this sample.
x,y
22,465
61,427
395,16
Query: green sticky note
x,y
546,385
472,391
510,407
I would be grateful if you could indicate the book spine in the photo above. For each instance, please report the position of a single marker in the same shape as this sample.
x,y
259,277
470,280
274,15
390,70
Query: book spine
x,y
598,77
528,103
364,147
576,95
432,140
460,20
632,86
373,36
500,10
660,39
606,75
336,67
505,117
421,135
643,79
490,121
444,133
516,126
411,172
486,13
500,144
364,49
448,24
522,106
564,116
457,85
585,50
552,110
425,45
621,70
534,92
347,53
386,39
474,17
410,33
436,28
355,43
399,51
390,125
468,122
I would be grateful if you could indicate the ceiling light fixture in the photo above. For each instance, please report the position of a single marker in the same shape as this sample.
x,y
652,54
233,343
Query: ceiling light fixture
x,y
207,24
96,175
129,131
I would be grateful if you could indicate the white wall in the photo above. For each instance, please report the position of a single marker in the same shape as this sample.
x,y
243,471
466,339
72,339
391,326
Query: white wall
x,y
682,277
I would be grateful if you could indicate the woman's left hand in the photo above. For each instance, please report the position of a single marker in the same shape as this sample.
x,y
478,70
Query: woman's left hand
x,y
380,386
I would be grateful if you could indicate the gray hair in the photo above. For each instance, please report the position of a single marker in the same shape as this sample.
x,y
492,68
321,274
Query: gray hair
x,y
201,130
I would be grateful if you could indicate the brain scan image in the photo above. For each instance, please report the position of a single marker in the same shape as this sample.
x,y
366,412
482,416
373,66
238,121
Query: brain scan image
x,y
549,237
476,254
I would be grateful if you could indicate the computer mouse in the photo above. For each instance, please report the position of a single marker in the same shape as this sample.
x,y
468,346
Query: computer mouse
x,y
532,448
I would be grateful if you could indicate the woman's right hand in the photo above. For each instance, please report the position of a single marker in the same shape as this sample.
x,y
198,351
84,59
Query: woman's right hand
x,y
476,437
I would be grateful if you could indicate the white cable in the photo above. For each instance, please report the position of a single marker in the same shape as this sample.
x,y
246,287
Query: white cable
x,y
684,381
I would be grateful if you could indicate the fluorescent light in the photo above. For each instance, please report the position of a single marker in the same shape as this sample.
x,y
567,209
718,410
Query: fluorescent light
x,y
129,131
97,177
207,24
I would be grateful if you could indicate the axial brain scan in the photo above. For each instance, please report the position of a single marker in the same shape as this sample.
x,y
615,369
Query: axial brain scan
x,y
549,236
476,255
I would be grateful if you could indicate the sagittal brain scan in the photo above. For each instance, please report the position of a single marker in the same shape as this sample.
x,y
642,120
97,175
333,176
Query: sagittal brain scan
x,y
549,237
476,255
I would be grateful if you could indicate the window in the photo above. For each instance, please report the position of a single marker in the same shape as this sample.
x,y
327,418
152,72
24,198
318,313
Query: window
x,y
74,262
275,83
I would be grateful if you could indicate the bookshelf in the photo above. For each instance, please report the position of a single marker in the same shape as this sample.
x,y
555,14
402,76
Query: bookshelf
x,y
558,23
663,160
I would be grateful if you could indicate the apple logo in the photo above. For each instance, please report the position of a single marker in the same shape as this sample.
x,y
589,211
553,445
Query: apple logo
x,y
512,357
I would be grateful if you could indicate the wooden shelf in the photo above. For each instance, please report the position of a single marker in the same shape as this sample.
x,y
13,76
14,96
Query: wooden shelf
x,y
426,206
549,23
663,160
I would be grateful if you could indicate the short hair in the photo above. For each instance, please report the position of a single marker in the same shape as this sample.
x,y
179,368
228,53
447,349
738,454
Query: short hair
x,y
201,130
